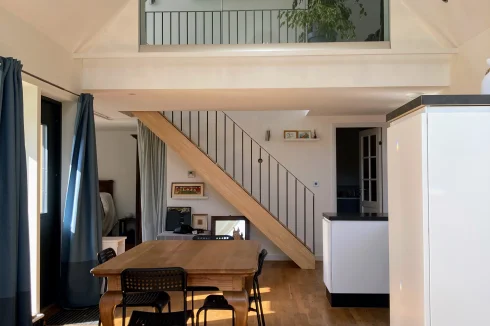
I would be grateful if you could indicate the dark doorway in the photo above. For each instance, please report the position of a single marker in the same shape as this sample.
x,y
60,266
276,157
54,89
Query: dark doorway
x,y
348,182
50,201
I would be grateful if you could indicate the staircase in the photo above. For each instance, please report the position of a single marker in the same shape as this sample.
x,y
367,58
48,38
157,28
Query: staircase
x,y
245,174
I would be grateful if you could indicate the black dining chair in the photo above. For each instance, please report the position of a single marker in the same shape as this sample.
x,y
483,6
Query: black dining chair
x,y
142,280
157,300
193,289
257,298
219,302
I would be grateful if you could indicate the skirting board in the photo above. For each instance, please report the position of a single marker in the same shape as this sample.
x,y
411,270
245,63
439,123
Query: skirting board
x,y
358,300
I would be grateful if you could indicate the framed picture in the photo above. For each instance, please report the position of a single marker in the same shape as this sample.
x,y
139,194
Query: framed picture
x,y
304,134
290,134
200,221
176,216
236,226
187,189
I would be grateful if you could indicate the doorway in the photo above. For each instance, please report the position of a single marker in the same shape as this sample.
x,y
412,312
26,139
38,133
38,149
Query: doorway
x,y
359,171
50,251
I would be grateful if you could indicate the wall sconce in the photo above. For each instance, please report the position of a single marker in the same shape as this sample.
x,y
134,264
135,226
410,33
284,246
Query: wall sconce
x,y
267,135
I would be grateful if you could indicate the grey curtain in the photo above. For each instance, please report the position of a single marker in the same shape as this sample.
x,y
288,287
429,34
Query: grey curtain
x,y
15,284
82,220
151,150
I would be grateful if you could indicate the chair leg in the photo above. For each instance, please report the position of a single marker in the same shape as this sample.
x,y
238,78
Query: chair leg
x,y
205,317
233,318
169,307
256,304
192,300
99,322
197,316
260,303
124,315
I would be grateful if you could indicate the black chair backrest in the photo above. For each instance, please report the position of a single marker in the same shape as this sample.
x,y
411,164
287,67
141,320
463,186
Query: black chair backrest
x,y
102,257
262,256
212,237
153,280
106,255
138,280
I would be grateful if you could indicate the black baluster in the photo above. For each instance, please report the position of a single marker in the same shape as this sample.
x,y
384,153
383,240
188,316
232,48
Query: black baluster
x,y
207,132
243,171
170,28
304,216
270,22
204,27
269,185
187,27
237,27
178,29
260,171
172,117
225,140
229,28
278,199
221,28
154,28
162,27
313,223
296,207
212,27
246,19
216,133
287,198
251,167
181,121
195,27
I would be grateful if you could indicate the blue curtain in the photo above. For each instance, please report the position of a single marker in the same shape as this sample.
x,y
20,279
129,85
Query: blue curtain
x,y
15,284
82,220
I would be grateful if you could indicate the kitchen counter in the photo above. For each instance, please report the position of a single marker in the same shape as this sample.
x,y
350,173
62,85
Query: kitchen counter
x,y
355,216
356,259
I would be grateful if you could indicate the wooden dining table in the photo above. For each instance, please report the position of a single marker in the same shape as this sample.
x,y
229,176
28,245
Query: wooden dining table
x,y
227,265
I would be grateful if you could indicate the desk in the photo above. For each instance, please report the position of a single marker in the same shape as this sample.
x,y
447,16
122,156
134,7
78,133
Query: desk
x,y
228,265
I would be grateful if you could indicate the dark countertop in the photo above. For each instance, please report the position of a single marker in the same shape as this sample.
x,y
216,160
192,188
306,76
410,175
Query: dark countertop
x,y
439,100
355,216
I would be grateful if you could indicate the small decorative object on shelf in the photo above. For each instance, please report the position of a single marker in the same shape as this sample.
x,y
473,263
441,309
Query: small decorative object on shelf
x,y
485,85
290,134
191,174
200,221
314,134
304,134
187,190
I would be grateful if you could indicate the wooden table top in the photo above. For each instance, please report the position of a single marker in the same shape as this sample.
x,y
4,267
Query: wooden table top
x,y
196,257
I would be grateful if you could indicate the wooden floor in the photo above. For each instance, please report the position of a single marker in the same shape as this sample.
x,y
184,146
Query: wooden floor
x,y
292,296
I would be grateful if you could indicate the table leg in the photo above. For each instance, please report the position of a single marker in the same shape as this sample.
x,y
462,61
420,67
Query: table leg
x,y
239,301
107,306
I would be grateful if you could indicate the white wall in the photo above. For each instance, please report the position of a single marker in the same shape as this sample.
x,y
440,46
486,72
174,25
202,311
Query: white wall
x,y
469,66
308,161
38,53
116,159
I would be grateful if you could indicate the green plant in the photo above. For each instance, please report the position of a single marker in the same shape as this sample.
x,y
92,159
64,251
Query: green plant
x,y
323,17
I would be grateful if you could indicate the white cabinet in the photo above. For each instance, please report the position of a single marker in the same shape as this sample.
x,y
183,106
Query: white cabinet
x,y
439,208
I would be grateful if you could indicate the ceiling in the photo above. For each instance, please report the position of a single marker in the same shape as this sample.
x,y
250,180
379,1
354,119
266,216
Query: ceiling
x,y
458,20
319,101
70,23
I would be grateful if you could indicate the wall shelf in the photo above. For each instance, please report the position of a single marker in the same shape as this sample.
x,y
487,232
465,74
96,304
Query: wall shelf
x,y
302,140
190,198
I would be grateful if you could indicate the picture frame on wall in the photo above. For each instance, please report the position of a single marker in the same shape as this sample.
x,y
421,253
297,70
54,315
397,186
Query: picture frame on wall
x,y
187,189
305,134
200,221
290,134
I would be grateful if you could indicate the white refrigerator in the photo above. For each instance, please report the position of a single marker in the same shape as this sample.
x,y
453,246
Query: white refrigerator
x,y
439,209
